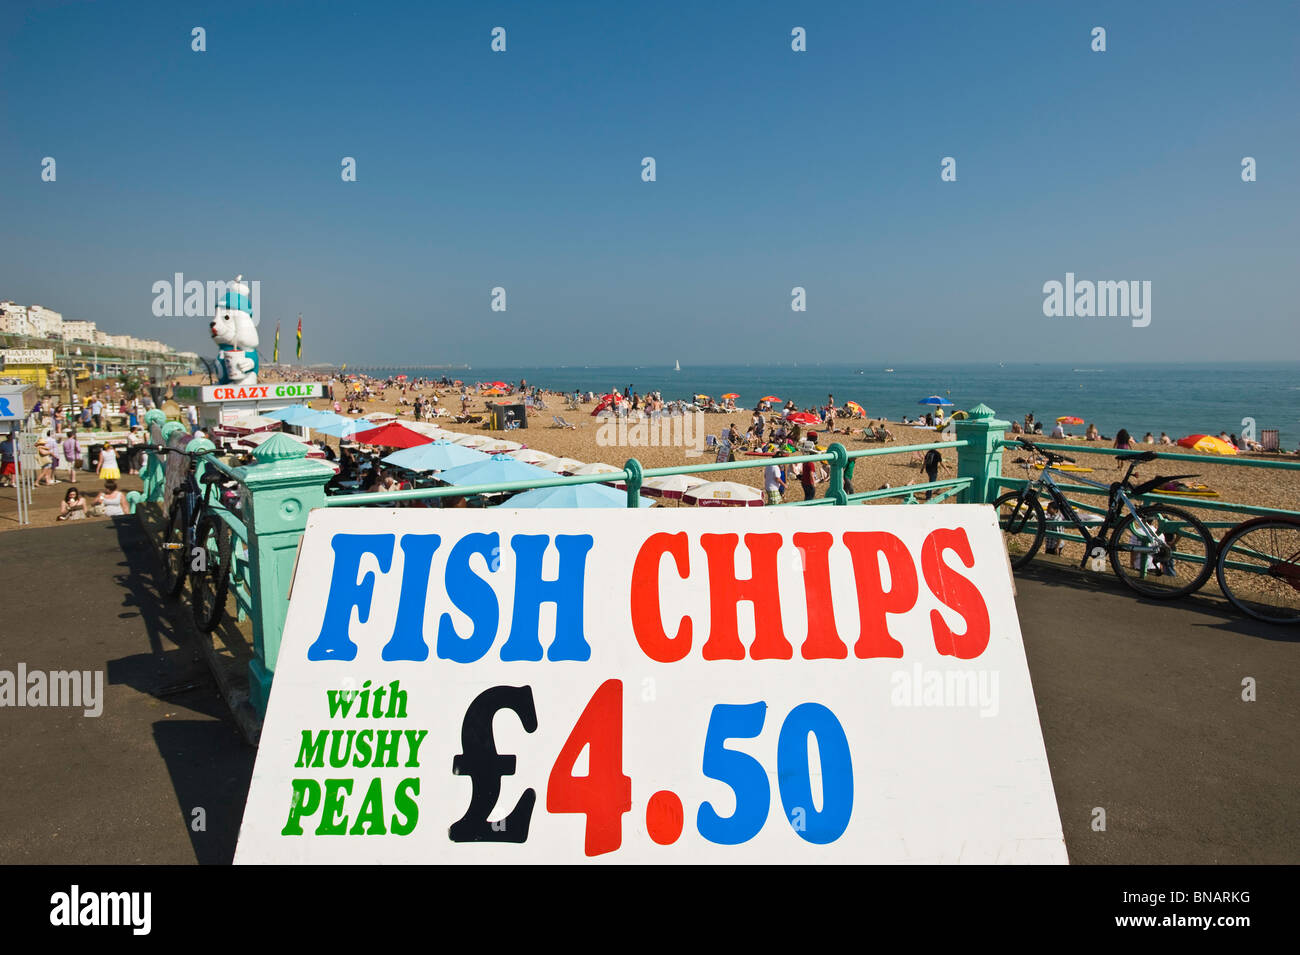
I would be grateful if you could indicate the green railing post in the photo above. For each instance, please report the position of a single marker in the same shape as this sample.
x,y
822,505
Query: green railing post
x,y
279,493
981,458
633,468
153,469
839,464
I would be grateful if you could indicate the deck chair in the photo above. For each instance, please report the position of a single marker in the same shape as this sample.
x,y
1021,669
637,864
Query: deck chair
x,y
561,423
1269,439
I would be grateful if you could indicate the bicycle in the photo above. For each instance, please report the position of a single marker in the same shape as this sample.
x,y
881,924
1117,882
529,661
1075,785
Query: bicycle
x,y
1259,568
197,543
1153,548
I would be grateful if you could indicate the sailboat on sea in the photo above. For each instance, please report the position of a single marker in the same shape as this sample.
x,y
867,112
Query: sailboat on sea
x,y
677,366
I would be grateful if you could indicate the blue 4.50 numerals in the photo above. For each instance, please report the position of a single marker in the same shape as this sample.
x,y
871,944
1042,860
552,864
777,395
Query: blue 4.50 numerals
x,y
748,779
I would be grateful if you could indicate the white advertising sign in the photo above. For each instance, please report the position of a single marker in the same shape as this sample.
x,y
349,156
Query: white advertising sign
x,y
11,402
27,356
270,391
802,685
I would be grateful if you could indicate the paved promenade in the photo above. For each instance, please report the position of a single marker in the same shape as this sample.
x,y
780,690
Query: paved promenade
x,y
1140,705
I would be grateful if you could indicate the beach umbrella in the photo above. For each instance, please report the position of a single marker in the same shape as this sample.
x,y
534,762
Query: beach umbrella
x,y
856,408
1207,443
497,469
804,417
288,414
391,436
769,398
435,456
559,465
596,467
500,446
1069,419
723,494
703,398
346,427
531,456
471,440
934,400
576,495
499,384
672,486
432,430
730,395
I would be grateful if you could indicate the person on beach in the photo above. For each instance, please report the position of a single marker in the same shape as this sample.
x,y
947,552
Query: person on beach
x,y
1092,433
774,480
1149,439
72,507
1058,431
1124,442
1165,439
931,464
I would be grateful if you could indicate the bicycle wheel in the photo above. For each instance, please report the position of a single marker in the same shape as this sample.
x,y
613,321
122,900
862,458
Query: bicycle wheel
x,y
174,556
1020,517
1259,569
210,581
1174,560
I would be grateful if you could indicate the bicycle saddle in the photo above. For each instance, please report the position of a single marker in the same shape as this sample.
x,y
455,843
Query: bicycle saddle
x,y
1140,456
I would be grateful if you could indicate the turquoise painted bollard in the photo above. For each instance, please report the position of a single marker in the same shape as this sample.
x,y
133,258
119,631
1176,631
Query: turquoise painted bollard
x,y
280,492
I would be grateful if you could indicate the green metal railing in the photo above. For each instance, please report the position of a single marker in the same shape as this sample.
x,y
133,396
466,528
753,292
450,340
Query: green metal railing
x,y
284,487
1053,529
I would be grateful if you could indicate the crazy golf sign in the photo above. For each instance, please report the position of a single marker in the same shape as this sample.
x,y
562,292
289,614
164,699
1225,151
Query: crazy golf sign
x,y
776,685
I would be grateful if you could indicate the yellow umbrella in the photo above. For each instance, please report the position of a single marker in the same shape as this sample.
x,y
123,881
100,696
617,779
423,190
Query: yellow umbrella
x,y
1207,443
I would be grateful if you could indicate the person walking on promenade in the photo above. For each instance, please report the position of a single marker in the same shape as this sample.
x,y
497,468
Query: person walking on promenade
x,y
71,455
108,470
8,460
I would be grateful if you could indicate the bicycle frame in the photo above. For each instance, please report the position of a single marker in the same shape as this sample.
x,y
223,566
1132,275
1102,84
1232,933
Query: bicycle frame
x,y
1118,502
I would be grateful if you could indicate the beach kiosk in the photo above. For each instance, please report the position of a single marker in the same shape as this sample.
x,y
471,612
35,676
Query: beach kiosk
x,y
31,366
504,417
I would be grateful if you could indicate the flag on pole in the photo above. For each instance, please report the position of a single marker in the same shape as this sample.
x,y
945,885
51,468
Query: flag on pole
x,y
300,335
275,350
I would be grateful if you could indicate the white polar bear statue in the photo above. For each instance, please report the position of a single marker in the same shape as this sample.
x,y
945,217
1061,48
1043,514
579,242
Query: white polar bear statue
x,y
233,330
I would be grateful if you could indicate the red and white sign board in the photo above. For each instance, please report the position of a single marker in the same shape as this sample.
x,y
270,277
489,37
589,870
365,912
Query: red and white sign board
x,y
778,685
268,391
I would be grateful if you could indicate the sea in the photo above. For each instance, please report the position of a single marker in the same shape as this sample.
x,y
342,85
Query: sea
x,y
1179,399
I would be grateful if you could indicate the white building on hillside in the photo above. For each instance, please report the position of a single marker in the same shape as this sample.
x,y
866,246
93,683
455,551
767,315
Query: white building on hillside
x,y
77,331
13,319
45,322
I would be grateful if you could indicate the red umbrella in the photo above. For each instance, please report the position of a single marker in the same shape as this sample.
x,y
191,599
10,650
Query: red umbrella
x,y
499,384
391,435
804,417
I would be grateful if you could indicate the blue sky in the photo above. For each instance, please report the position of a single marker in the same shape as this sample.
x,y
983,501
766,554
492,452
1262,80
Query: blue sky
x,y
775,169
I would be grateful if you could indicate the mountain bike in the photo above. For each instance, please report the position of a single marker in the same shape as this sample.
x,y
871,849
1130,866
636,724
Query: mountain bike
x,y
197,542
1259,568
1158,550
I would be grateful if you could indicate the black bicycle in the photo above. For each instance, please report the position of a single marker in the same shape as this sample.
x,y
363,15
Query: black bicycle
x,y
1157,549
197,543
